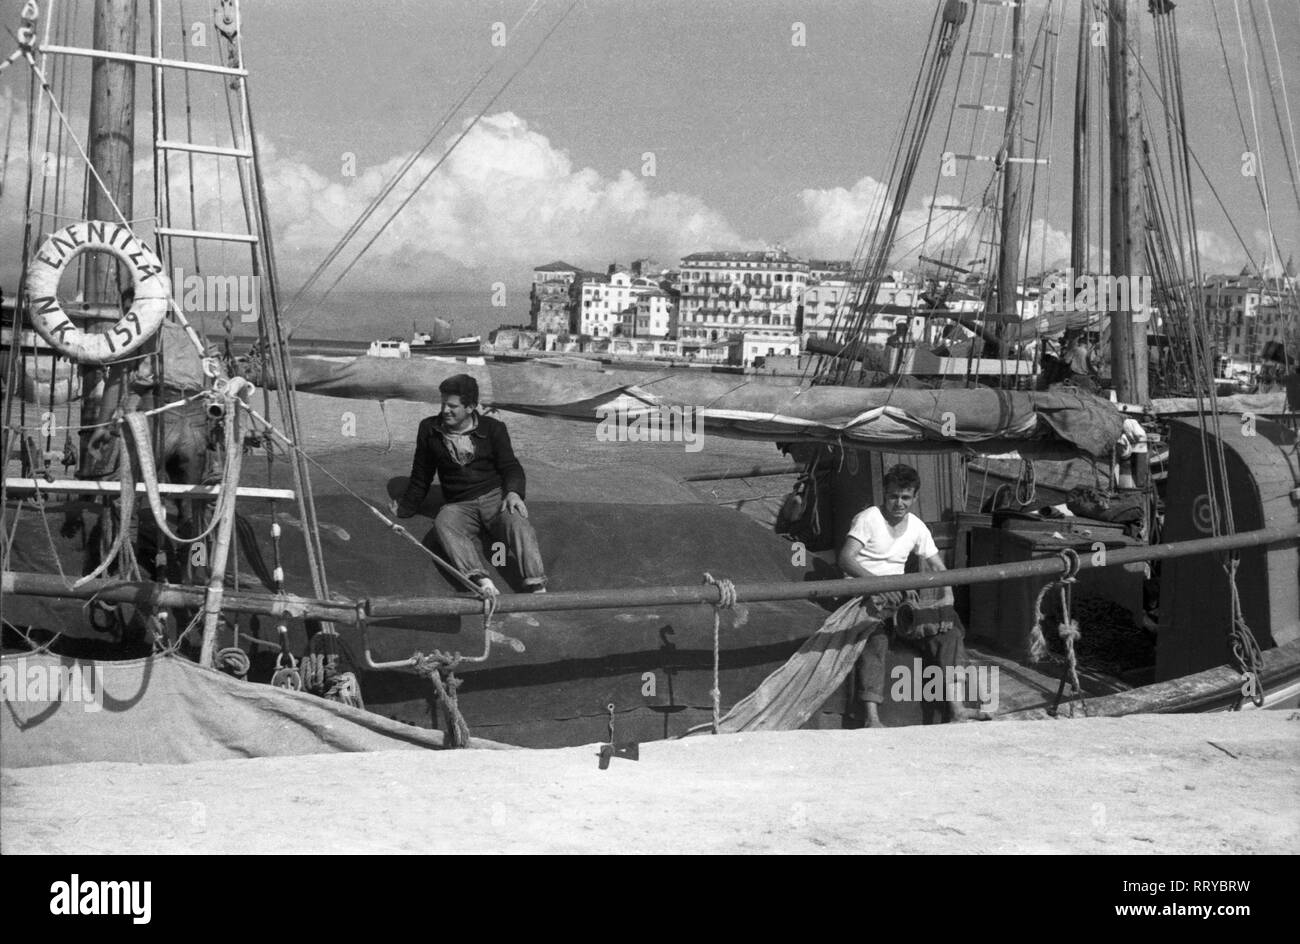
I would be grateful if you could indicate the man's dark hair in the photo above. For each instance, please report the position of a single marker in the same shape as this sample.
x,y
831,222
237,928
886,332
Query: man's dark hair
x,y
460,385
902,476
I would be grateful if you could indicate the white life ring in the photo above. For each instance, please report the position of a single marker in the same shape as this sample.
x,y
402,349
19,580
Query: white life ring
x,y
152,291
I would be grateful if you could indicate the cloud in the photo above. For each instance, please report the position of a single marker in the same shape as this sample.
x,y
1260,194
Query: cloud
x,y
506,200
830,223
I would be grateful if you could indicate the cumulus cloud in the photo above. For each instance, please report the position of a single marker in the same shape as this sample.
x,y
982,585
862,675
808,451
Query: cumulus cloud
x,y
506,200
830,223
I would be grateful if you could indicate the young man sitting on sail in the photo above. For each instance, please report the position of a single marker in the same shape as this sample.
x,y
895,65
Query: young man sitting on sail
x,y
879,542
482,485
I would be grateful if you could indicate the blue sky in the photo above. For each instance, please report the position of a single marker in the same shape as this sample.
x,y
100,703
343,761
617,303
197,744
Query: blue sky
x,y
755,140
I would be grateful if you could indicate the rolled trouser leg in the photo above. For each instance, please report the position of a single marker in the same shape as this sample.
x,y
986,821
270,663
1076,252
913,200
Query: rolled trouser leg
x,y
870,668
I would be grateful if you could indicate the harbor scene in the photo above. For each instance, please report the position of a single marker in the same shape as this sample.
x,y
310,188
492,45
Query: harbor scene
x,y
596,427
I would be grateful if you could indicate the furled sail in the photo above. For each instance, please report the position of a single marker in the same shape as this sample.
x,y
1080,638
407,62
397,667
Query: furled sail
x,y
979,421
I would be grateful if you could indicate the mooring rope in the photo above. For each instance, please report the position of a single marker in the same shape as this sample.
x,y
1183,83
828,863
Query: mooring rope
x,y
1068,629
1245,648
726,601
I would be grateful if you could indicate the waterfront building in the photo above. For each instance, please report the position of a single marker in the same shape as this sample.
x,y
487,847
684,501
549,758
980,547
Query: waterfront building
x,y
603,303
551,297
896,300
747,346
1250,316
728,293
654,312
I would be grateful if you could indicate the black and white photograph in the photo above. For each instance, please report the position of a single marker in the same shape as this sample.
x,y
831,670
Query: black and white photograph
x,y
676,427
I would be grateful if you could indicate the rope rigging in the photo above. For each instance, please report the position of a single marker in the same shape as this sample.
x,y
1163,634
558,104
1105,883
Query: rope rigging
x,y
926,92
1175,255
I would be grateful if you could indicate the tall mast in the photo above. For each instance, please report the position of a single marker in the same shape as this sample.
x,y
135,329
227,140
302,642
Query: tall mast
x,y
1128,334
1079,191
1004,301
112,139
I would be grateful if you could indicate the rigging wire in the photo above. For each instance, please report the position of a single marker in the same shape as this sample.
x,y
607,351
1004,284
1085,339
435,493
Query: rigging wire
x,y
473,123
401,172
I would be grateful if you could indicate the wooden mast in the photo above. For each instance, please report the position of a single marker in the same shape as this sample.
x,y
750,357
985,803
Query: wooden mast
x,y
1079,190
1004,300
112,139
1128,332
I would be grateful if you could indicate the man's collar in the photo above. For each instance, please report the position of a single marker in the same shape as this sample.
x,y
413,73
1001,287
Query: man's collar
x,y
442,426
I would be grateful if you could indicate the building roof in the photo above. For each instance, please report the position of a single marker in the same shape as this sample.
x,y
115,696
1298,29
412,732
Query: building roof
x,y
557,266
764,255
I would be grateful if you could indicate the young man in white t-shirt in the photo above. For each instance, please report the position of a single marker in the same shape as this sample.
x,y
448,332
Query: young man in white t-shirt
x,y
880,540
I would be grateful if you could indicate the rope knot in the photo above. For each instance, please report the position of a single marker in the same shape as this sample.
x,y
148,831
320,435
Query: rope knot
x,y
1071,558
726,591
1069,631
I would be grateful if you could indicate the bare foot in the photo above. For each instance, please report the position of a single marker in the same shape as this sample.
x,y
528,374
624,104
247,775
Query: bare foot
x,y
873,717
874,723
958,714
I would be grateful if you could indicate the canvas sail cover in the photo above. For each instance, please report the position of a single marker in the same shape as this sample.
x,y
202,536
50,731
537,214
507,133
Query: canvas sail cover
x,y
164,710
980,421
793,693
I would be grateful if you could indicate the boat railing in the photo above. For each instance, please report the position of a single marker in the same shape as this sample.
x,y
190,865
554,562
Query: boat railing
x,y
356,612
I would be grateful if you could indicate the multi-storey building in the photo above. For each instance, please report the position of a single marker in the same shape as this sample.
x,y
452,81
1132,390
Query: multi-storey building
x,y
895,300
551,297
655,312
602,303
727,293
1248,313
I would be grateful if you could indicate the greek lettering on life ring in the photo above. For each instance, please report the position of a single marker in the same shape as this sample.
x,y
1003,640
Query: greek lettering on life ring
x,y
152,290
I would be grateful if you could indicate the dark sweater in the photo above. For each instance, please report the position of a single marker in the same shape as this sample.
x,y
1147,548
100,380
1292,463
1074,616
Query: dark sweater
x,y
494,465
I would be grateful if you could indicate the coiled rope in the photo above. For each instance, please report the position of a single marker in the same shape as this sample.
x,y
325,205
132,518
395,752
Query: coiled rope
x,y
234,661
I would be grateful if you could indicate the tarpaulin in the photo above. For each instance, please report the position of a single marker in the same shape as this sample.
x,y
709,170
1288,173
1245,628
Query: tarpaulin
x,y
164,710
979,420
793,693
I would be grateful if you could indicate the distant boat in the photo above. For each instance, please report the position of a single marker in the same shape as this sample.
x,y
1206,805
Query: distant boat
x,y
393,347
423,343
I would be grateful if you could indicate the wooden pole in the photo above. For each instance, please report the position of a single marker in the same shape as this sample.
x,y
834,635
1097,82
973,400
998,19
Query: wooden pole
x,y
1128,338
1005,299
148,595
144,593
1079,190
226,508
112,148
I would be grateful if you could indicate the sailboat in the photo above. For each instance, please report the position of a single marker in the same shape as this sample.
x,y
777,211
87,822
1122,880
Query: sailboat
x,y
1188,643
628,646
